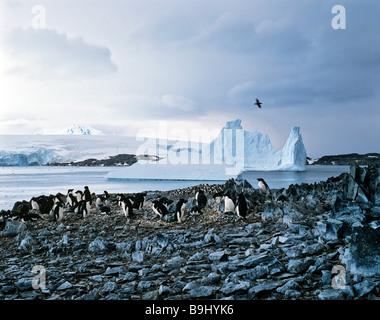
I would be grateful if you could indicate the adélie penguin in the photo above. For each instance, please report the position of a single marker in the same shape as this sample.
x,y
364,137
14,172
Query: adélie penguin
x,y
201,198
127,207
87,194
241,208
263,187
229,205
159,208
180,209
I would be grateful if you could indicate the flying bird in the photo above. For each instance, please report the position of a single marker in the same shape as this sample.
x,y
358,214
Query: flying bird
x,y
258,103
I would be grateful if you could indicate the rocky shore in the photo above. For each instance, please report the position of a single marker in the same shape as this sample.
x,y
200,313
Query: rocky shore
x,y
351,159
319,242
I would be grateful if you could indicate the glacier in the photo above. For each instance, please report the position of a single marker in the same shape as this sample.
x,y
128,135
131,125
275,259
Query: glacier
x,y
232,152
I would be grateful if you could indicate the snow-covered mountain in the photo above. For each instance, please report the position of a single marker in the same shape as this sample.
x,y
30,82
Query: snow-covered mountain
x,y
75,129
80,129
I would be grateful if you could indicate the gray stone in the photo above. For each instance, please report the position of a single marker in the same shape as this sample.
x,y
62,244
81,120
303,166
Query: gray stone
x,y
212,278
331,294
164,290
114,271
109,287
253,261
13,228
261,288
197,256
96,278
64,286
292,294
326,277
191,285
218,256
202,292
97,246
24,284
235,288
8,289
363,255
138,256
289,285
128,287
299,265
364,287
257,272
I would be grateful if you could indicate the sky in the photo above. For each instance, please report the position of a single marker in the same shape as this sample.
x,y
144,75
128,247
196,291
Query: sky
x,y
137,66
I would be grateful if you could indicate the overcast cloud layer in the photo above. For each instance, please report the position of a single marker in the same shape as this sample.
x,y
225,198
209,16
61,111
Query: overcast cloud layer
x,y
124,66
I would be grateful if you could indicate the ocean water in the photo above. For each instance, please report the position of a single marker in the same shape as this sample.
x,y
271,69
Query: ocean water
x,y
22,183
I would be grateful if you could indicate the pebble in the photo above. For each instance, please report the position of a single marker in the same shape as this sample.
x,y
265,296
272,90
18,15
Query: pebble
x,y
288,255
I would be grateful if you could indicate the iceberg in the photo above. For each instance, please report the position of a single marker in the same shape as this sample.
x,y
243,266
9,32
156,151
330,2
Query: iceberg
x,y
233,151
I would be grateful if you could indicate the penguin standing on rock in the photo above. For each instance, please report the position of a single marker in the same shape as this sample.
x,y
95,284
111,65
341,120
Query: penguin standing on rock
x,y
241,208
127,207
87,195
229,205
263,187
180,209
201,198
159,208
83,208
57,212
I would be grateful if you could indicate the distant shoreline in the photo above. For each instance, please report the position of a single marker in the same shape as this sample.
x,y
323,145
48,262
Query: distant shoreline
x,y
347,159
129,159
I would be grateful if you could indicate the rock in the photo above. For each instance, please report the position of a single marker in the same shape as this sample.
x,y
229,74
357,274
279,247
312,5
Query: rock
x,y
24,284
331,294
8,289
212,278
292,294
235,288
162,240
289,285
13,228
363,255
164,290
109,286
364,287
114,271
64,286
202,292
96,278
97,246
196,257
261,288
138,256
218,256
253,261
299,265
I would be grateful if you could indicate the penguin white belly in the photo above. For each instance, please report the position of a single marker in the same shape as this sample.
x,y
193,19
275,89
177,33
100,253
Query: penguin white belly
x,y
35,205
156,211
228,205
262,187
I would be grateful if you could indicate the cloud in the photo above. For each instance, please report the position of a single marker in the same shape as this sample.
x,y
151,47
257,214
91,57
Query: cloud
x,y
178,102
48,54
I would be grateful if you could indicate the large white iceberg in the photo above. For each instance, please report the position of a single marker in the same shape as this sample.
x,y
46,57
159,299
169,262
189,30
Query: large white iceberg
x,y
233,151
